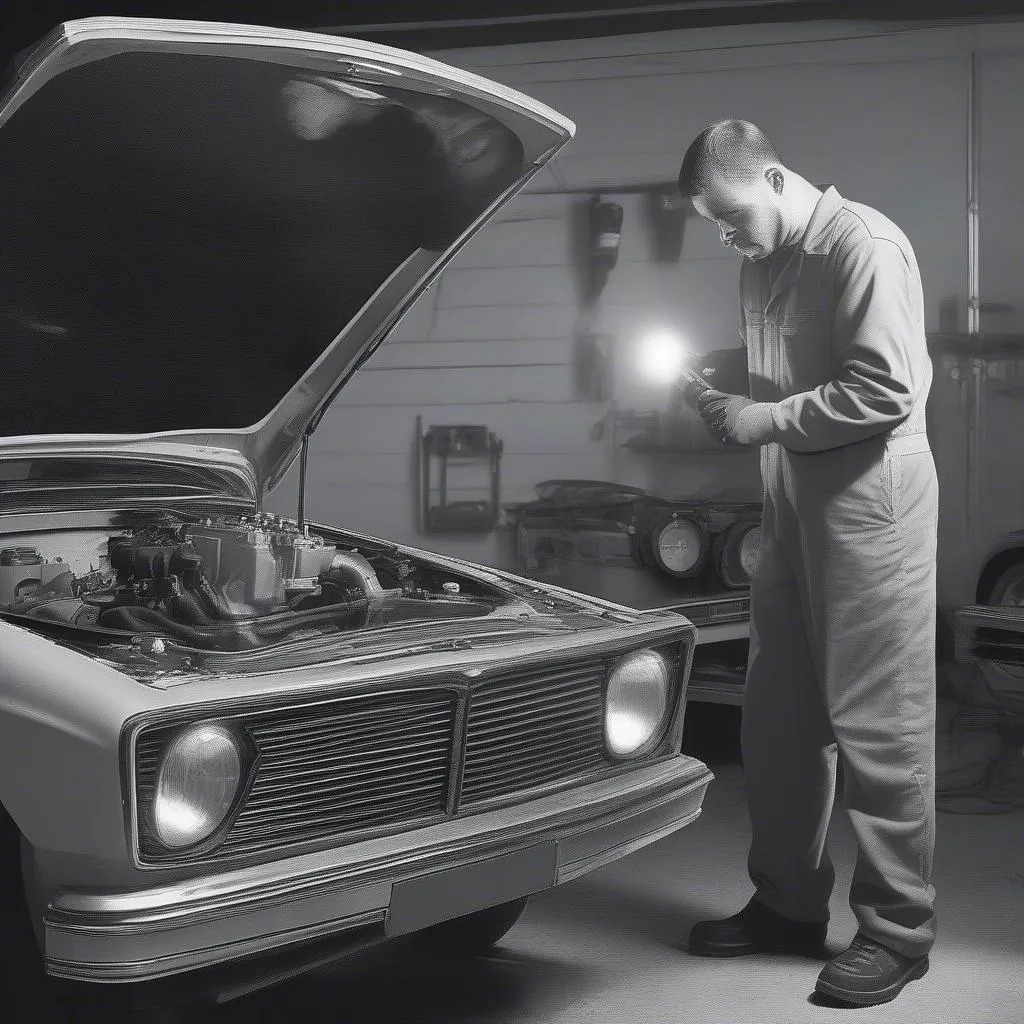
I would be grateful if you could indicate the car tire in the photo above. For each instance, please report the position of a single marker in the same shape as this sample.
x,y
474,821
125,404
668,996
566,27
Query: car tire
x,y
22,975
1008,588
473,934
24,983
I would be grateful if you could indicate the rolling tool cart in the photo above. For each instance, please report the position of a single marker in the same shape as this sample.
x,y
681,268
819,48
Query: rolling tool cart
x,y
442,448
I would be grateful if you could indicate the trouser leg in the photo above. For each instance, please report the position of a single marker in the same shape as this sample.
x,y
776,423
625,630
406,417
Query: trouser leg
x,y
787,746
870,574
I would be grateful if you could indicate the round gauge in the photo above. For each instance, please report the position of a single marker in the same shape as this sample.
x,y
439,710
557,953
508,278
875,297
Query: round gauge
x,y
736,553
679,547
749,546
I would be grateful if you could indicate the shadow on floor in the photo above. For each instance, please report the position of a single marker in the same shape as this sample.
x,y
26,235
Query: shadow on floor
x,y
711,733
400,983
594,902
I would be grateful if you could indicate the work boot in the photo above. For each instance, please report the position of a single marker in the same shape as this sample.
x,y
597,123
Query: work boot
x,y
869,973
757,929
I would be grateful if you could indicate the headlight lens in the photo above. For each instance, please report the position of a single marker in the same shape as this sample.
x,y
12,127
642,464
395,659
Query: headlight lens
x,y
638,690
748,549
736,553
680,547
196,785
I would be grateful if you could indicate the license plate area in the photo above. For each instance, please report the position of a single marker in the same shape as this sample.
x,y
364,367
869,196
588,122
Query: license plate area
x,y
442,895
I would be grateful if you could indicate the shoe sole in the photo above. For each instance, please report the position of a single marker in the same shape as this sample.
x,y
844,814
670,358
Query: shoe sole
x,y
882,995
726,952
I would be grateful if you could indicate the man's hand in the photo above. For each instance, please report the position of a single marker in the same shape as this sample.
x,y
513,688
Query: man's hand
x,y
690,394
735,419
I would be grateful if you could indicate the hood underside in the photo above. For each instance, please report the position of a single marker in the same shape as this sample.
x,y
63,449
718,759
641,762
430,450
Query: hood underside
x,y
206,228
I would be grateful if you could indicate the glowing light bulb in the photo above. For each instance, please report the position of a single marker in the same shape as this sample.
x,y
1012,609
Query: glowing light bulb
x,y
661,356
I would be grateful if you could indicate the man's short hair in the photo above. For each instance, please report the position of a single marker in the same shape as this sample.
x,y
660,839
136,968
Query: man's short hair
x,y
725,152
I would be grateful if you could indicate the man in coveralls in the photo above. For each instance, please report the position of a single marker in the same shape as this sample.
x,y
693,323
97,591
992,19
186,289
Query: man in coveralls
x,y
842,630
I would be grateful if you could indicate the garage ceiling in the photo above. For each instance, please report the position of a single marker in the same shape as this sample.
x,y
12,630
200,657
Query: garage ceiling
x,y
444,24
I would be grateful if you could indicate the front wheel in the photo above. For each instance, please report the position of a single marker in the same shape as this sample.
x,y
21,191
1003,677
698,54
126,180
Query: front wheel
x,y
475,933
23,979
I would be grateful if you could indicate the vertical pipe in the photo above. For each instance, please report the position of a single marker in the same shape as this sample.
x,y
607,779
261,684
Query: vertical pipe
x,y
302,482
973,385
973,203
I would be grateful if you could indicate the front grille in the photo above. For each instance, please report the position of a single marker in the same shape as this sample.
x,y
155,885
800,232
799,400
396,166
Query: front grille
x,y
354,766
331,770
534,728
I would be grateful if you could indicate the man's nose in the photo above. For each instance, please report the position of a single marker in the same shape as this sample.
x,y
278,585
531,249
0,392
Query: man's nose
x,y
726,235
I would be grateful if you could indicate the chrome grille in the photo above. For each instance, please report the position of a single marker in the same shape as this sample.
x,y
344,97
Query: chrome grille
x,y
332,770
534,728
351,766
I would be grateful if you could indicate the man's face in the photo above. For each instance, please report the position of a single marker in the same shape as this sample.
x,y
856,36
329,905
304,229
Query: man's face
x,y
749,216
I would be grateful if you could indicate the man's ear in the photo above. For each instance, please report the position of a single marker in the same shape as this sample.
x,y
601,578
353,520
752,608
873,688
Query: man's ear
x,y
776,179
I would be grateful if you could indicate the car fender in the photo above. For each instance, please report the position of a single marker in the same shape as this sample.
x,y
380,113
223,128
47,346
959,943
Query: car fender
x,y
60,723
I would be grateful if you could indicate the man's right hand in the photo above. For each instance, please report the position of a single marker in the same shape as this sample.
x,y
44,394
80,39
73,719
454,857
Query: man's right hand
x,y
690,393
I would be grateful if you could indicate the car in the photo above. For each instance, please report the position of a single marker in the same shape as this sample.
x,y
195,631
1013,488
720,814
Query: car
x,y
226,736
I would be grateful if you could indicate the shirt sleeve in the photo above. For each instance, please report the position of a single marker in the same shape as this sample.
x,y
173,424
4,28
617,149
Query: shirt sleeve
x,y
873,329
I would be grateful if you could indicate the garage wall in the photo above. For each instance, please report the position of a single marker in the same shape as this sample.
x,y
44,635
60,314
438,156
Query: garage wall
x,y
880,111
490,343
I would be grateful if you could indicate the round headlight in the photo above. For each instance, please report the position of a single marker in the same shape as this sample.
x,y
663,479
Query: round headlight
x,y
196,785
736,553
638,690
679,547
748,549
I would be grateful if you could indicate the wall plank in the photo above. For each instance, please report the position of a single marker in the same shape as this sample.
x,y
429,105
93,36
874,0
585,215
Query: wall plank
x,y
524,427
495,286
396,355
440,386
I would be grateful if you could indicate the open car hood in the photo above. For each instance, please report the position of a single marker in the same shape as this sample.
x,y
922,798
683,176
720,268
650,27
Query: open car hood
x,y
207,228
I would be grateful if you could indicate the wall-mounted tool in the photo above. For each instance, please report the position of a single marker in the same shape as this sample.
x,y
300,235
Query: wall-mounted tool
x,y
667,210
463,446
604,222
595,366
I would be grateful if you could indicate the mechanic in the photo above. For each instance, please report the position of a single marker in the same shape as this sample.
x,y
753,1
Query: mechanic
x,y
842,627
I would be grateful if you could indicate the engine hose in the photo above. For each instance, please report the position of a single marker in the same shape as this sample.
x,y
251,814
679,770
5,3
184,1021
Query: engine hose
x,y
233,636
132,619
193,608
187,608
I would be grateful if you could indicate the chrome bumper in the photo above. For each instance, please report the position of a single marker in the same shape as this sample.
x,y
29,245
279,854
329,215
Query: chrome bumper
x,y
157,932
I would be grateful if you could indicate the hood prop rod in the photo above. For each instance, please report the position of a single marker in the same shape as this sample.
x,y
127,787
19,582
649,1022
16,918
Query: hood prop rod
x,y
302,481
304,455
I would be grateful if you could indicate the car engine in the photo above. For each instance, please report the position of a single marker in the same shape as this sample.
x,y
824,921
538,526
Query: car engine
x,y
227,583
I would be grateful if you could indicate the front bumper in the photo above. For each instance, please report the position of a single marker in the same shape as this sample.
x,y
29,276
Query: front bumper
x,y
216,919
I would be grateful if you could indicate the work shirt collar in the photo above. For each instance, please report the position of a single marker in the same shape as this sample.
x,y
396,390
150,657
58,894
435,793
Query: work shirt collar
x,y
820,227
816,239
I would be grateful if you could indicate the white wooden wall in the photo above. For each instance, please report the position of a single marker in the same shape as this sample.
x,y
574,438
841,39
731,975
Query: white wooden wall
x,y
878,110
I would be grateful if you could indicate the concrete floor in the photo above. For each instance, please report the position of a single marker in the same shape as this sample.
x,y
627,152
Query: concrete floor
x,y
609,948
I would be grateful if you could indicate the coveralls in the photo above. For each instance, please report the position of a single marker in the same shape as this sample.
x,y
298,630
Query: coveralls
x,y
842,631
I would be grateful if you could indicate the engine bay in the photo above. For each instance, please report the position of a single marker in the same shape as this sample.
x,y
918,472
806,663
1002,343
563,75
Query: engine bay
x,y
228,583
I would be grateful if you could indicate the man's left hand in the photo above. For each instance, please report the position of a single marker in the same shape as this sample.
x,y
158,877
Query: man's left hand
x,y
732,420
